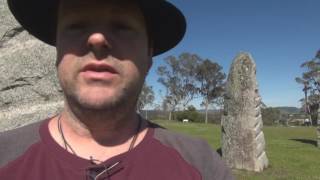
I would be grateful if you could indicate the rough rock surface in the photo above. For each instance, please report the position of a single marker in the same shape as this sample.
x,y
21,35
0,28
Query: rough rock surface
x,y
29,89
243,143
318,129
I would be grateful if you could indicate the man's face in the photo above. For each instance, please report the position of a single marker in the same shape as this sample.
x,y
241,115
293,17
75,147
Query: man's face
x,y
103,53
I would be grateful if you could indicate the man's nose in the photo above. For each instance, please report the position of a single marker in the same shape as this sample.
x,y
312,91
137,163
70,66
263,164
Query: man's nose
x,y
98,44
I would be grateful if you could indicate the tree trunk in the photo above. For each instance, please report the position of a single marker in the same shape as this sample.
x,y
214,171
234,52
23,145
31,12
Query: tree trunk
x,y
318,134
314,108
206,120
307,107
170,115
206,105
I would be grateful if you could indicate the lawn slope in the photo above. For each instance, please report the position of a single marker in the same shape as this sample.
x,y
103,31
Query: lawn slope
x,y
292,151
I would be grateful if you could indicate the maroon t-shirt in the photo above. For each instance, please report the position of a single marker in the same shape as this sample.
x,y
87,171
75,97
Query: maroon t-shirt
x,y
161,155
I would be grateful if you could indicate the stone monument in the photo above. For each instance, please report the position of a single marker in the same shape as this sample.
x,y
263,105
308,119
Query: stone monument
x,y
243,143
29,89
318,129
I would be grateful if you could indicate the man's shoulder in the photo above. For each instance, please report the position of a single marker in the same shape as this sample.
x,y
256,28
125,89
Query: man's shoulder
x,y
196,152
191,148
179,140
23,129
15,142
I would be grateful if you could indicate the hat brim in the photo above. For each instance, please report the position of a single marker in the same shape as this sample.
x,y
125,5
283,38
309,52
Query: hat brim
x,y
166,24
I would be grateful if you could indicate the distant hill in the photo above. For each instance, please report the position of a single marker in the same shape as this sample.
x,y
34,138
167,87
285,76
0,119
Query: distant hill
x,y
287,109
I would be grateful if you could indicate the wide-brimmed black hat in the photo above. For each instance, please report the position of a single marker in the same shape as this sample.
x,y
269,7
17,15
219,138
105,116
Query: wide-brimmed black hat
x,y
166,24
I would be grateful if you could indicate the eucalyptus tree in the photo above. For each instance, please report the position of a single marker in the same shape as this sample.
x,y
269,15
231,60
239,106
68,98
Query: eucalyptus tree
x,y
178,76
311,85
211,83
146,97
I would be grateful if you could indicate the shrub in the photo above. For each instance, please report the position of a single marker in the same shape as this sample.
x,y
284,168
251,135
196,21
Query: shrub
x,y
191,114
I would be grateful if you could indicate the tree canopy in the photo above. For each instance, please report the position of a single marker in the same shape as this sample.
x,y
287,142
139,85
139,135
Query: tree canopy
x,y
311,86
211,83
186,77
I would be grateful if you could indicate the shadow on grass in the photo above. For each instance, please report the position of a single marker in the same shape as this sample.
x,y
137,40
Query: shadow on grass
x,y
306,141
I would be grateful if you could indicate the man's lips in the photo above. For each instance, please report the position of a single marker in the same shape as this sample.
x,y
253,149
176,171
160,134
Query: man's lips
x,y
99,67
99,71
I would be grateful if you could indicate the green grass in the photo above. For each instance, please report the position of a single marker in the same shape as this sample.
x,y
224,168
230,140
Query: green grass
x,y
288,159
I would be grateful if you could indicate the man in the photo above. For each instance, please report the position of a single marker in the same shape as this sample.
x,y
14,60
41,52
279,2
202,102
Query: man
x,y
104,52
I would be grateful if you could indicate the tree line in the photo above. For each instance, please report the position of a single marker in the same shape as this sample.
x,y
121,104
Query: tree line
x,y
186,77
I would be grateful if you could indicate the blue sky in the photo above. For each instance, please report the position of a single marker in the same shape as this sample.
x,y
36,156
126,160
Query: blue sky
x,y
279,34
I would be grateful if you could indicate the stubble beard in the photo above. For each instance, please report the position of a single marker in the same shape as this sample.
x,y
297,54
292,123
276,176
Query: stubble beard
x,y
116,106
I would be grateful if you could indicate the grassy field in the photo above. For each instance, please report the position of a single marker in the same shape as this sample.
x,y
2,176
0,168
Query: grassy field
x,y
291,151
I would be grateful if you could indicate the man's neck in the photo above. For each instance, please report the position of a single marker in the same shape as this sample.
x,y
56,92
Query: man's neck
x,y
103,133
107,127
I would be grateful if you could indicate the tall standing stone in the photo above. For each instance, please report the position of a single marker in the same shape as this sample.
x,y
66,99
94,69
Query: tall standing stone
x,y
318,129
243,143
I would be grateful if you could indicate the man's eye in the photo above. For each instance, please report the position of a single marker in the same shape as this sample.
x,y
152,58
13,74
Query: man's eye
x,y
121,27
75,26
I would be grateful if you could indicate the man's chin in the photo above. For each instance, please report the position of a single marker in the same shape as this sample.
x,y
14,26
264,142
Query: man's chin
x,y
97,100
99,104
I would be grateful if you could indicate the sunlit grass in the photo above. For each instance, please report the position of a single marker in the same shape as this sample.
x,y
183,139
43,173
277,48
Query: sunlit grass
x,y
291,151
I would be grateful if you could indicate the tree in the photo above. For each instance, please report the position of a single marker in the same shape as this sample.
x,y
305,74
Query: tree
x,y
311,107
179,78
311,86
146,97
190,113
211,83
270,116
